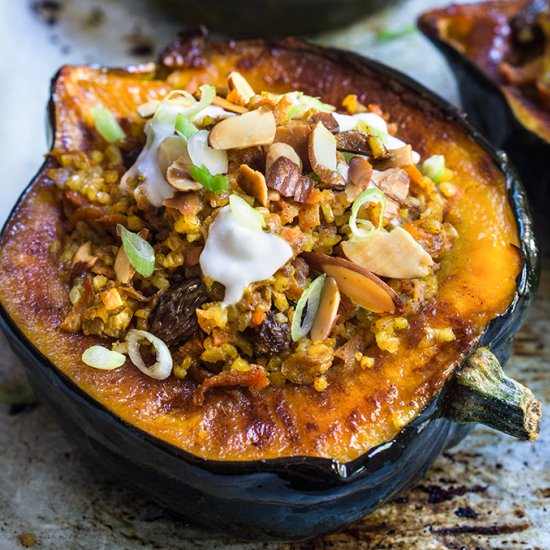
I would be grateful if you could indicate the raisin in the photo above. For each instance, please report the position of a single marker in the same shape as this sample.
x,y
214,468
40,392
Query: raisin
x,y
174,320
270,336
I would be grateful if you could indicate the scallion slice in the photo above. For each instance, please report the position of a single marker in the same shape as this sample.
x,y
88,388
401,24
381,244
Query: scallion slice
x,y
208,93
309,301
107,125
184,127
216,184
102,358
434,167
163,366
140,253
247,215
302,103
368,196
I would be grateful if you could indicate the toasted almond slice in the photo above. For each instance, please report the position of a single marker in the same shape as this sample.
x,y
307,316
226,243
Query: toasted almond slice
x,y
273,195
328,120
363,287
394,183
247,130
184,203
284,177
392,254
296,134
123,268
253,183
327,312
359,175
228,106
279,149
82,260
171,148
84,255
399,157
178,178
239,84
322,152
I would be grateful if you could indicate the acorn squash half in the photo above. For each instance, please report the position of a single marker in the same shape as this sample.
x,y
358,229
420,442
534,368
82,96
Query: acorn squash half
x,y
285,463
476,39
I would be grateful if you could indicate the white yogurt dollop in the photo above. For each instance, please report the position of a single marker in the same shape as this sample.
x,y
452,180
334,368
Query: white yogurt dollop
x,y
236,256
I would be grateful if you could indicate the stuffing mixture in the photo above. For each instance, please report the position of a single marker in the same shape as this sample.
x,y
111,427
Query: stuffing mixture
x,y
249,239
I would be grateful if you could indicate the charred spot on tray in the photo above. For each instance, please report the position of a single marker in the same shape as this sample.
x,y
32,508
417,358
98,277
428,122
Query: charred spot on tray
x,y
174,319
47,10
466,512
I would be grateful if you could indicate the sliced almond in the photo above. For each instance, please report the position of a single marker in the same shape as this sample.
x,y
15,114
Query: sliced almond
x,y
238,84
398,157
359,175
253,183
247,130
171,149
273,195
123,268
394,183
328,120
322,152
392,254
353,141
178,178
327,312
228,106
363,287
296,134
284,177
84,255
184,203
83,260
279,149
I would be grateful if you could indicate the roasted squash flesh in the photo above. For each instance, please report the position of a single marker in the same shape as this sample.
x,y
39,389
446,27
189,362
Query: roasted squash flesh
x,y
356,412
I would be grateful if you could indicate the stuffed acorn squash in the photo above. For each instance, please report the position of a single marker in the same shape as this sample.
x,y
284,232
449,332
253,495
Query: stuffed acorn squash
x,y
244,276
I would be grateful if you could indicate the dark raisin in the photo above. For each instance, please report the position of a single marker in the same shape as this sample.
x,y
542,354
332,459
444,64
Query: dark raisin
x,y
174,319
270,336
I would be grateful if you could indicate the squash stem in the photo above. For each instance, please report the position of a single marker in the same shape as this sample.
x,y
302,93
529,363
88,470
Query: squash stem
x,y
482,393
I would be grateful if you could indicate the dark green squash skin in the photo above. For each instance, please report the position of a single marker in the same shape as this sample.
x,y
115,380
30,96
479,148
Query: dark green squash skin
x,y
289,498
489,112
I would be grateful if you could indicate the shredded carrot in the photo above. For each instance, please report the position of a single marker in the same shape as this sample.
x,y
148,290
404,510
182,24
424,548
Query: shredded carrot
x,y
257,318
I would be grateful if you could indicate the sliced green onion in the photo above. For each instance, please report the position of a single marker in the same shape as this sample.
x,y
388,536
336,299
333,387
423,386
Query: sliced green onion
x,y
385,35
208,93
107,125
309,300
434,167
140,253
370,195
246,214
303,103
364,127
102,358
184,127
163,366
216,184
16,393
348,156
